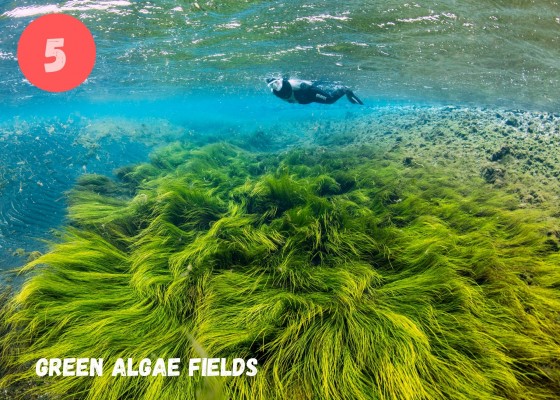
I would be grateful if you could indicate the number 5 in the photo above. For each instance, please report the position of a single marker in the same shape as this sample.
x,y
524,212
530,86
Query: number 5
x,y
53,50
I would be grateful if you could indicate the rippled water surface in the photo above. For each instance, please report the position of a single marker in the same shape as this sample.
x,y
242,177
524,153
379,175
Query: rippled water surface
x,y
483,53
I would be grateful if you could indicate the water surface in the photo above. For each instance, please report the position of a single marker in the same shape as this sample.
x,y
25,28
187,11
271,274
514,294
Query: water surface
x,y
470,52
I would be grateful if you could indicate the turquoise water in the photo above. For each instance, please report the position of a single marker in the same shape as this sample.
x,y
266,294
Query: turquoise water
x,y
44,149
483,53
185,70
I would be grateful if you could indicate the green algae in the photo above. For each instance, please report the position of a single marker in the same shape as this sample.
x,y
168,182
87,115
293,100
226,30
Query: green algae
x,y
346,273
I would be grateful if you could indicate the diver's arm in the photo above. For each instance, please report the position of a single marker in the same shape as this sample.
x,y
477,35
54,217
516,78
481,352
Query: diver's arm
x,y
298,84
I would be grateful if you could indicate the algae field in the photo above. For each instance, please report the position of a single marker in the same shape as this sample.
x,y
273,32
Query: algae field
x,y
354,271
172,230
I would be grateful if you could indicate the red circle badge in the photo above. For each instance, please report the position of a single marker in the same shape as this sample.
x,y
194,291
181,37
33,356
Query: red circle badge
x,y
56,52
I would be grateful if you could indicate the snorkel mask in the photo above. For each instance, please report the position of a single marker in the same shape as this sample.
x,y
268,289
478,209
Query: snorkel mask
x,y
274,84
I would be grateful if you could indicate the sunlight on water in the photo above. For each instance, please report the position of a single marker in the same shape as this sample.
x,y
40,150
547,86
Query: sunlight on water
x,y
501,53
68,7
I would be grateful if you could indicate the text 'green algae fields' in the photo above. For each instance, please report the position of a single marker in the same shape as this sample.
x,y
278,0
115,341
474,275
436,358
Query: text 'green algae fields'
x,y
171,230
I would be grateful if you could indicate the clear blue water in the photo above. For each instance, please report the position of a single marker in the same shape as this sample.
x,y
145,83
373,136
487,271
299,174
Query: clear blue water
x,y
504,52
180,70
44,149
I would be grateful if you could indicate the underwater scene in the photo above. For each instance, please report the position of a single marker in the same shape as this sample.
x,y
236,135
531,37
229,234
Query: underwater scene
x,y
304,200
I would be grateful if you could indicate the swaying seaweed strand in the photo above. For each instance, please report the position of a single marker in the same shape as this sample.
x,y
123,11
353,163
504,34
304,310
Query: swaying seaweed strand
x,y
346,274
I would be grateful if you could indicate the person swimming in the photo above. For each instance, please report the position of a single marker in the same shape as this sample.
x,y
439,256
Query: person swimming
x,y
305,92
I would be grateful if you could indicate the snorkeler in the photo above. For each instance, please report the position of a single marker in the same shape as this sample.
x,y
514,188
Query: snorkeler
x,y
305,92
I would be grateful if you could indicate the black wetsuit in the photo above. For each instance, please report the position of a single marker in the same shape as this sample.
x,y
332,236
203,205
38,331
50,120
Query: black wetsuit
x,y
315,92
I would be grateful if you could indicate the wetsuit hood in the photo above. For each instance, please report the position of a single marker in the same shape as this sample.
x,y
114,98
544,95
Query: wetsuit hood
x,y
285,91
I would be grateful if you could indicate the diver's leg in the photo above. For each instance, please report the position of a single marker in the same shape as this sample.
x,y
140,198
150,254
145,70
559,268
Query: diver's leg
x,y
313,94
329,98
353,98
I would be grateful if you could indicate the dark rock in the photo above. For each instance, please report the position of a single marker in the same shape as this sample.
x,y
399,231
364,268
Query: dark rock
x,y
512,122
407,162
493,174
500,154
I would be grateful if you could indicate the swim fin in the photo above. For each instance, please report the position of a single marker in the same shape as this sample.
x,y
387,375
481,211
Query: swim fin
x,y
353,98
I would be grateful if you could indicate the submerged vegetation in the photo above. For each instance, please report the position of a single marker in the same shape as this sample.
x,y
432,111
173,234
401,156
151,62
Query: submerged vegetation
x,y
346,274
